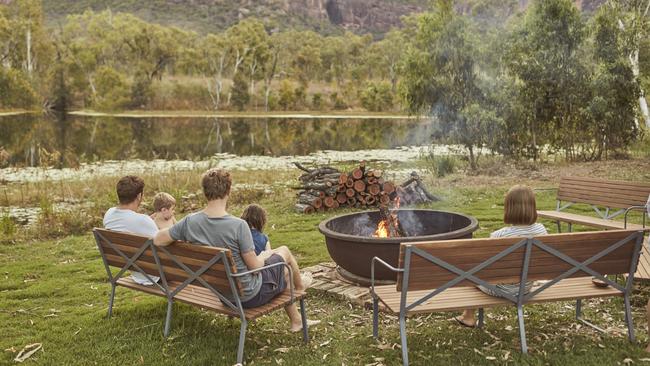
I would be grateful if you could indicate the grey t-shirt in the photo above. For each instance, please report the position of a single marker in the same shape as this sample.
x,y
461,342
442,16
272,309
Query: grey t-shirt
x,y
224,232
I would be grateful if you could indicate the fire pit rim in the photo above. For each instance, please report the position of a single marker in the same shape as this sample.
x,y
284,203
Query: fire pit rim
x,y
322,227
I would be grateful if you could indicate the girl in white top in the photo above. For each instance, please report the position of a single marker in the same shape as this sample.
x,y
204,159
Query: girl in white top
x,y
520,211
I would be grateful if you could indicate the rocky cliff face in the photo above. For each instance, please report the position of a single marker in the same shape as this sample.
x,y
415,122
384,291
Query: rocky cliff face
x,y
372,15
379,16
376,16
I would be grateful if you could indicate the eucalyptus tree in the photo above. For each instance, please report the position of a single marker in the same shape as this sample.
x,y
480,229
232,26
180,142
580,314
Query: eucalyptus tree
x,y
545,55
439,78
386,55
612,108
215,58
634,19
29,37
248,47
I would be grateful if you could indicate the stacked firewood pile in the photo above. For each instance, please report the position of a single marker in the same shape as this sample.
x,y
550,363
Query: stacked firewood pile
x,y
326,188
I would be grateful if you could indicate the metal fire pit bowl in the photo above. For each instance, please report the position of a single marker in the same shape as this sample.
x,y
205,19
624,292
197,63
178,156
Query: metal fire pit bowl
x,y
351,245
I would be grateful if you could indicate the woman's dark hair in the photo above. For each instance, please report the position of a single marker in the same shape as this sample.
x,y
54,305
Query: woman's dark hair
x,y
255,216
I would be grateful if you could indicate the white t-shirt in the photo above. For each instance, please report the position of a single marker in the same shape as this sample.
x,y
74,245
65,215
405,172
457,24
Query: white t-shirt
x,y
520,230
129,221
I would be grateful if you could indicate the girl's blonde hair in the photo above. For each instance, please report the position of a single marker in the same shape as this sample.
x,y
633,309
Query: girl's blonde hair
x,y
519,206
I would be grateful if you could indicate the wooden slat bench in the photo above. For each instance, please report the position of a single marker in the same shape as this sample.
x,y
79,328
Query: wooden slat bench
x,y
193,274
603,196
442,276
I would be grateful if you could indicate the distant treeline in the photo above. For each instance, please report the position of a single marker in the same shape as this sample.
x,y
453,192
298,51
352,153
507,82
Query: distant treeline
x,y
546,80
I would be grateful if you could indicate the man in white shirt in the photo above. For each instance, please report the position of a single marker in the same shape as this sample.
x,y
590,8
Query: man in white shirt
x,y
125,217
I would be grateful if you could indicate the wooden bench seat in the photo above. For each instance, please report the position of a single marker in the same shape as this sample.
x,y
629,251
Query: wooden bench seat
x,y
461,298
444,275
603,196
596,222
193,274
204,298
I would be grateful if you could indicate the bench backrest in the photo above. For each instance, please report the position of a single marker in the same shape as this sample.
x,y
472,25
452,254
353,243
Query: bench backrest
x,y
607,193
171,258
466,254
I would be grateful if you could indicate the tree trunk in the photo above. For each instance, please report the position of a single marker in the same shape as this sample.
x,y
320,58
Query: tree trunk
x,y
472,158
634,62
29,51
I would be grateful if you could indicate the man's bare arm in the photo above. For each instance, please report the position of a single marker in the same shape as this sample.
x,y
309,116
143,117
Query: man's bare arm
x,y
253,261
162,238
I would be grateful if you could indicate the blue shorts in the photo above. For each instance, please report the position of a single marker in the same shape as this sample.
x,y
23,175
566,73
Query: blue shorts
x,y
273,283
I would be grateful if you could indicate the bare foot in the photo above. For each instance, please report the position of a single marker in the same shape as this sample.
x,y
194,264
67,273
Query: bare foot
x,y
470,323
306,280
298,327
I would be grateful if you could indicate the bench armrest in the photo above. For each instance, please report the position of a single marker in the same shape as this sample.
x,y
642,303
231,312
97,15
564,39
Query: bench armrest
x,y
284,264
631,208
372,271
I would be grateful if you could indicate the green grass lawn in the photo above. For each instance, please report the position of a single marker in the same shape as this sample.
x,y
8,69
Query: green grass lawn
x,y
55,292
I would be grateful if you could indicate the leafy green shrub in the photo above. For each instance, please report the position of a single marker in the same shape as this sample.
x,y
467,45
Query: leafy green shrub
x,y
300,97
377,97
7,226
112,89
141,91
317,101
15,90
440,166
337,102
286,99
240,95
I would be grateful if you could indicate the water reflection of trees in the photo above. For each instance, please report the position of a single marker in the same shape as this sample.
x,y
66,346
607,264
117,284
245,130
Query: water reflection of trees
x,y
68,140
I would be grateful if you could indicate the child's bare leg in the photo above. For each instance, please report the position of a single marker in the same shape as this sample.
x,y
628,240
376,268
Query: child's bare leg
x,y
285,253
468,318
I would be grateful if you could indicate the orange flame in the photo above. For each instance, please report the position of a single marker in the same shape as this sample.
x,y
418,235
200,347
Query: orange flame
x,y
382,230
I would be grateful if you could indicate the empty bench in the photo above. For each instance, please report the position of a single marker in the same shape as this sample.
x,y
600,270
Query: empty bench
x,y
193,274
442,276
608,198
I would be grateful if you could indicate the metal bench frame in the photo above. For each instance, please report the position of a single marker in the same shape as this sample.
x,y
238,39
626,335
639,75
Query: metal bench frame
x,y
522,298
235,305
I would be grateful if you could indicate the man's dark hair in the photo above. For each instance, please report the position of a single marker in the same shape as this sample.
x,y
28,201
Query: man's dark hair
x,y
128,188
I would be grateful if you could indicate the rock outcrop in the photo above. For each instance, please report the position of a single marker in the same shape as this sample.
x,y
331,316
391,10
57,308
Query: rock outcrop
x,y
371,15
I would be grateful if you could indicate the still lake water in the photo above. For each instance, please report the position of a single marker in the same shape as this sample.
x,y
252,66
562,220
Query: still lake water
x,y
35,140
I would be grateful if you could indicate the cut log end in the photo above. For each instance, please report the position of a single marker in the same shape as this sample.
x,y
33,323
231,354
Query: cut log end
x,y
304,209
